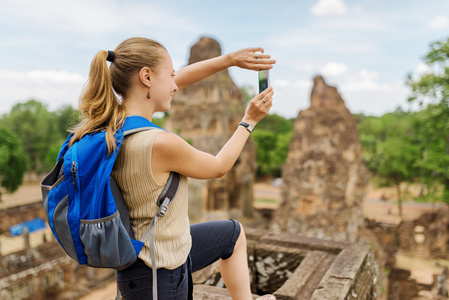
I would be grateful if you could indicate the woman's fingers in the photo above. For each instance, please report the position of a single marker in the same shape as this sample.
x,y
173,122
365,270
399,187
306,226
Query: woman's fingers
x,y
262,61
259,106
252,58
264,93
264,100
261,56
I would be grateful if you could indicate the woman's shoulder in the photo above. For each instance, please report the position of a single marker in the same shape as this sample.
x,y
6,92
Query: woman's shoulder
x,y
144,137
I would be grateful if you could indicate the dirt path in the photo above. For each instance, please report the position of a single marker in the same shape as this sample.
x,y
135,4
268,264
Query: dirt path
x,y
27,193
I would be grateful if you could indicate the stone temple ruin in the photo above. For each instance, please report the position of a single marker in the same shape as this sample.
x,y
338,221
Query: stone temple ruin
x,y
324,178
206,115
317,244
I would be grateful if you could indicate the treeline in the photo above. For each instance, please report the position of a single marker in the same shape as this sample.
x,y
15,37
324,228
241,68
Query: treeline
x,y
30,137
40,131
408,147
30,140
397,147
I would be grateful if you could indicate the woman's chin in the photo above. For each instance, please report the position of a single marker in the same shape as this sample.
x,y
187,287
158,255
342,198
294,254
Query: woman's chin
x,y
164,109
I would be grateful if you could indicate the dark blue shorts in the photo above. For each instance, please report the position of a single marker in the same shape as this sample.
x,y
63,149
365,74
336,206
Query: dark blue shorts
x,y
211,241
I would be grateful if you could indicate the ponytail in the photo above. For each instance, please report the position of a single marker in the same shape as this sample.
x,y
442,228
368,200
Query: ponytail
x,y
99,106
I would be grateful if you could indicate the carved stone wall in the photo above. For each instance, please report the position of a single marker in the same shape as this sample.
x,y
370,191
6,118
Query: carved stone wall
x,y
206,115
297,267
426,236
47,272
324,178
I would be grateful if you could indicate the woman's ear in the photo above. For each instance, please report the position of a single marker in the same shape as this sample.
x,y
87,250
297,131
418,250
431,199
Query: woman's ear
x,y
145,76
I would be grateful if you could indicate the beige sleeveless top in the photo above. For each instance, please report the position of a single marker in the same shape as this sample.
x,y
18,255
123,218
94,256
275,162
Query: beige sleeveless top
x,y
132,171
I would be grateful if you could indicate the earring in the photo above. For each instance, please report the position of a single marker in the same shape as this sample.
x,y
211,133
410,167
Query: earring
x,y
148,95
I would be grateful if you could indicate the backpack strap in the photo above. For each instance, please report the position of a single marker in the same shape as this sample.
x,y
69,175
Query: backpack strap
x,y
167,196
121,207
133,125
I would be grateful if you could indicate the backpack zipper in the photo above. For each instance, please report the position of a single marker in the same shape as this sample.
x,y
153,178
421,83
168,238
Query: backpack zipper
x,y
73,171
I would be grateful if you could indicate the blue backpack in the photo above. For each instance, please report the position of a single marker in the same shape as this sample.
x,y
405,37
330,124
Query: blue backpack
x,y
84,206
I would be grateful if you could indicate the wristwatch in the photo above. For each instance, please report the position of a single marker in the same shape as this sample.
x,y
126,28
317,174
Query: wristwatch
x,y
248,127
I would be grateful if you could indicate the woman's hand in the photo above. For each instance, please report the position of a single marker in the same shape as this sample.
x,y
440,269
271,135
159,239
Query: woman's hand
x,y
259,107
251,58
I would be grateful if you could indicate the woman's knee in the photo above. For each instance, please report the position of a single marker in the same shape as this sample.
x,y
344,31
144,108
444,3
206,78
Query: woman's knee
x,y
241,240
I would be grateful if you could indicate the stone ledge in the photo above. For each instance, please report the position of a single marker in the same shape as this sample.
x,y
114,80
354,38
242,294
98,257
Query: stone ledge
x,y
302,242
341,275
206,292
292,287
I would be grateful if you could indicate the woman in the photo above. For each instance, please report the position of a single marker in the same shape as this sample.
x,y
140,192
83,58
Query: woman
x,y
142,73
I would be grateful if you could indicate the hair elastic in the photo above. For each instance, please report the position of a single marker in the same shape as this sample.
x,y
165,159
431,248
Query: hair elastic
x,y
110,56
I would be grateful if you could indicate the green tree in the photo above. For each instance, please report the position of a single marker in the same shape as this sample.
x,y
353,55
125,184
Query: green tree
x,y
276,123
390,148
272,138
36,127
431,134
66,117
397,163
370,132
431,91
374,131
13,161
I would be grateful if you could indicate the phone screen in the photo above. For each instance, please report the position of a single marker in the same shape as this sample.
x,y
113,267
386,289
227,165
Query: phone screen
x,y
263,80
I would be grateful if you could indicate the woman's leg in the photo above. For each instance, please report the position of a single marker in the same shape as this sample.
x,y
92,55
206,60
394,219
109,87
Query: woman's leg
x,y
234,270
224,241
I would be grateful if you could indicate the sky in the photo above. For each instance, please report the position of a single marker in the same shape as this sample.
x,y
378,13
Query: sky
x,y
364,48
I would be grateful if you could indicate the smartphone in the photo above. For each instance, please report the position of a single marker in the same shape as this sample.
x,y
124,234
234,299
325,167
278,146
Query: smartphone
x,y
263,80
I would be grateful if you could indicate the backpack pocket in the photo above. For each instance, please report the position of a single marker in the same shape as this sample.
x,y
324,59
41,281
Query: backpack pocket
x,y
56,202
106,243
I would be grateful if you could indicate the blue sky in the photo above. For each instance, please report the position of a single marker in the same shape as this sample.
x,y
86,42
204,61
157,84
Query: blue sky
x,y
364,48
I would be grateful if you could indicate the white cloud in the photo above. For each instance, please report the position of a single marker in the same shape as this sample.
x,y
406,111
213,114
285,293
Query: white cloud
x,y
54,88
365,92
291,96
94,17
422,69
362,92
303,66
376,98
439,22
333,69
300,37
365,81
329,7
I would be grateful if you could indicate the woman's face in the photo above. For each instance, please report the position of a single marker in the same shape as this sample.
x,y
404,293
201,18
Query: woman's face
x,y
163,85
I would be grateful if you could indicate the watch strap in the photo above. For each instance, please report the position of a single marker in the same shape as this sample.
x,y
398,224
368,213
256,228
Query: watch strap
x,y
248,127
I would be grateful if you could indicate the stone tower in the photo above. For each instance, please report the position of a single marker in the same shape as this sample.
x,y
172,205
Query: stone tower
x,y
324,177
206,115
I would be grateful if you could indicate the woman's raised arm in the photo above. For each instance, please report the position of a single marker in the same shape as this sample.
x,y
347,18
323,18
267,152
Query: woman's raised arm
x,y
171,153
248,58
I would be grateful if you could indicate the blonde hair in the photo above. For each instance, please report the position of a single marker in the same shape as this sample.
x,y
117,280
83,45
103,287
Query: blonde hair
x,y
100,108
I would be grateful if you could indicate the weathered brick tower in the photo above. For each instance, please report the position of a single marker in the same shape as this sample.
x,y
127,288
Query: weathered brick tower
x,y
206,114
324,177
